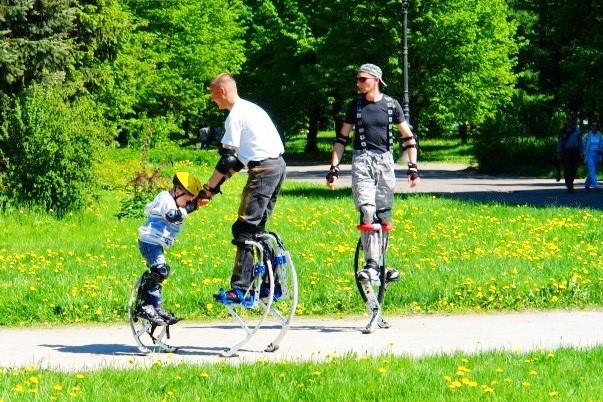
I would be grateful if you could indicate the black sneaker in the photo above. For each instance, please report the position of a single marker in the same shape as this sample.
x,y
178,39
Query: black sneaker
x,y
392,275
148,312
166,316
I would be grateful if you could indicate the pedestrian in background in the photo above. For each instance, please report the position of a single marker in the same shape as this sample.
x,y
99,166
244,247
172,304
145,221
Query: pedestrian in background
x,y
569,152
593,146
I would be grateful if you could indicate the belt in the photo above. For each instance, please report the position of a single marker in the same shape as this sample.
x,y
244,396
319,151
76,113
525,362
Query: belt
x,y
252,164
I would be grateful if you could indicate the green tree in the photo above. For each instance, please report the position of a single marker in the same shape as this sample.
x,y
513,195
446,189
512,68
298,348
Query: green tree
x,y
462,61
52,141
281,62
34,42
175,49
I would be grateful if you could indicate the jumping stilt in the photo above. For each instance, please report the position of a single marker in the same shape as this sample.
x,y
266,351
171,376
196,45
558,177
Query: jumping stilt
x,y
274,282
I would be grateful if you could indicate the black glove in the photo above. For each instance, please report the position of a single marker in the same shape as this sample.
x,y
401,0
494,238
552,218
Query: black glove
x,y
191,206
412,172
333,173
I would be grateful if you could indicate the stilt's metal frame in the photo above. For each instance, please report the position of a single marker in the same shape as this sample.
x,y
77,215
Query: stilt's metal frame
x,y
143,330
274,283
373,292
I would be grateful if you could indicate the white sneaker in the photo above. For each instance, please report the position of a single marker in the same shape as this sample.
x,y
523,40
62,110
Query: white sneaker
x,y
369,273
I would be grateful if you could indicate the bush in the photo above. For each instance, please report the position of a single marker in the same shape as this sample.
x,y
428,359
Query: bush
x,y
505,146
50,141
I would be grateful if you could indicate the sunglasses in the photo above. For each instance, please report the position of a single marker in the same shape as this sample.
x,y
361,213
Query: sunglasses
x,y
363,79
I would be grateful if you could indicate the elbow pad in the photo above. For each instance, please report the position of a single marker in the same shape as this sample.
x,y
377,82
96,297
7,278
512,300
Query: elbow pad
x,y
228,161
175,215
343,140
405,146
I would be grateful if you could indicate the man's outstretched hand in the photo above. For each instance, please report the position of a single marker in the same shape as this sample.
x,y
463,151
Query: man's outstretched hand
x,y
413,175
332,177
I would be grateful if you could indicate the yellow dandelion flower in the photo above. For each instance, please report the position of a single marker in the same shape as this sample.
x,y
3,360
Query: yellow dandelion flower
x,y
525,384
204,375
553,393
18,388
33,380
455,384
57,387
447,378
382,370
316,373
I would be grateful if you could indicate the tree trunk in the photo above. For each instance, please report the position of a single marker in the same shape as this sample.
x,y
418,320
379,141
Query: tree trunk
x,y
311,139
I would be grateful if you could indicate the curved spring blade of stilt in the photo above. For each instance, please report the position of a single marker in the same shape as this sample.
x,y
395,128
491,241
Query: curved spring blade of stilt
x,y
372,305
292,291
267,304
142,329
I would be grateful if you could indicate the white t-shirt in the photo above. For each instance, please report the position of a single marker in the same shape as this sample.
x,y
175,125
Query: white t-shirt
x,y
251,132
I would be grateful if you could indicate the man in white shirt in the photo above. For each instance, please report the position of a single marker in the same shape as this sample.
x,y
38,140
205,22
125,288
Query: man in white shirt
x,y
251,140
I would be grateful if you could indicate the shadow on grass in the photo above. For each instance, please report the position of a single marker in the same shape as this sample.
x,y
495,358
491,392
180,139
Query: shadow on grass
x,y
316,192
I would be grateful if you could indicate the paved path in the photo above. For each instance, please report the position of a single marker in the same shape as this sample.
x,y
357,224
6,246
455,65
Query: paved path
x,y
77,348
81,348
457,181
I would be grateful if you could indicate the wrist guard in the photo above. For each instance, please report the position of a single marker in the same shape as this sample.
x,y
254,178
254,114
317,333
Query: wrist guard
x,y
333,173
191,206
413,171
212,191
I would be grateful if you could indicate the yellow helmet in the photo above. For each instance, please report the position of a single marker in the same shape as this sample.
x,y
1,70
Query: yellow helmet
x,y
188,182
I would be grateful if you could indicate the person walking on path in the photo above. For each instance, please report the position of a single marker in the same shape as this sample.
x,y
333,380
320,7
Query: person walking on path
x,y
570,152
373,175
250,139
593,147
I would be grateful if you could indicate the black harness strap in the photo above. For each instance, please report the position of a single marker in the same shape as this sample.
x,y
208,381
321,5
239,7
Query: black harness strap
x,y
390,120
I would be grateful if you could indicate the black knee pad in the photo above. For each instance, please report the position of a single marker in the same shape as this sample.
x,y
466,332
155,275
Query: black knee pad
x,y
367,213
384,215
242,231
159,272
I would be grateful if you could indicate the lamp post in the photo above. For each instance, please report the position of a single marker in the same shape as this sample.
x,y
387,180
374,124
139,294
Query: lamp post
x,y
405,99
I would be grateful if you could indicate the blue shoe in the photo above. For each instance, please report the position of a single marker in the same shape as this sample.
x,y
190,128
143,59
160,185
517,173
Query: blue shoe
x,y
234,296
265,291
